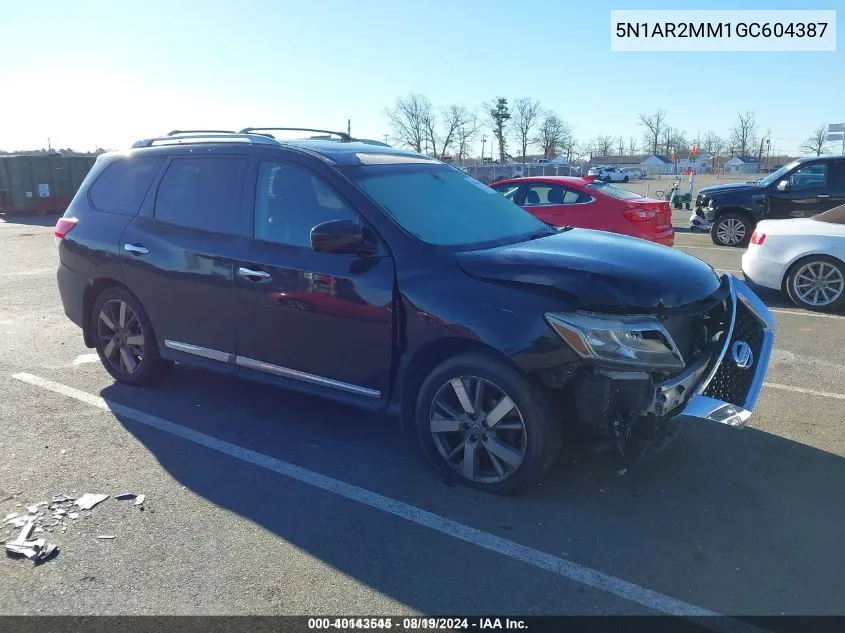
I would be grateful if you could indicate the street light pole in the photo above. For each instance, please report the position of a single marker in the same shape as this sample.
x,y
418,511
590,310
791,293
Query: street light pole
x,y
483,142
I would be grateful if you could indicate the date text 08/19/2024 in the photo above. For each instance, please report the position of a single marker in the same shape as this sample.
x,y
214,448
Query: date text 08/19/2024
x,y
416,624
705,30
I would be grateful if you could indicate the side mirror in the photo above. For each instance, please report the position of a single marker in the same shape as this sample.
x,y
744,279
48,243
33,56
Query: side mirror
x,y
342,237
783,185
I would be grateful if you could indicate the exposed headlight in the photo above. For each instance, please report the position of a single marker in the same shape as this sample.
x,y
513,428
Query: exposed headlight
x,y
711,204
640,342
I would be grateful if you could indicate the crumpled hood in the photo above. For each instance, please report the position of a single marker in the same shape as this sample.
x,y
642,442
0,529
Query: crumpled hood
x,y
598,270
734,187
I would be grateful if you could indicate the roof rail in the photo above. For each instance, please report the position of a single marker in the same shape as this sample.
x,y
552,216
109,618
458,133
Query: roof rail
x,y
175,132
252,130
210,137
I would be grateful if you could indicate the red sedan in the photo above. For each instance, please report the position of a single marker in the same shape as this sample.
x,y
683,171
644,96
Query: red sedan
x,y
591,204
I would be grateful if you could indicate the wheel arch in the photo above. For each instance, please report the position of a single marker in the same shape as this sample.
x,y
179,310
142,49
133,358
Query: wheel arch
x,y
92,290
737,210
788,268
413,373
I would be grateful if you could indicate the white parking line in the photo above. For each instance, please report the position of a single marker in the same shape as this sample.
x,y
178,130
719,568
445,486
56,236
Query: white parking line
x,y
704,248
32,272
485,540
807,314
811,392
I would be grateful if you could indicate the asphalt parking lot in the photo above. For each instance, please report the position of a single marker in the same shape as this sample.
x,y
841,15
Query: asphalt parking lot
x,y
263,502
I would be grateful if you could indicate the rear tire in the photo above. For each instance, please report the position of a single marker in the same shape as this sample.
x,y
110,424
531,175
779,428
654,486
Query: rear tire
x,y
731,229
829,272
511,450
124,338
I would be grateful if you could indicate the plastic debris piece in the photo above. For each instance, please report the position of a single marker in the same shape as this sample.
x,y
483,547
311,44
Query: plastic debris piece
x,y
10,516
140,500
89,500
106,536
126,496
621,472
61,498
74,515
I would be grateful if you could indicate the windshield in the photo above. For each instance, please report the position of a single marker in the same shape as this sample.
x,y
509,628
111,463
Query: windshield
x,y
777,175
443,206
613,190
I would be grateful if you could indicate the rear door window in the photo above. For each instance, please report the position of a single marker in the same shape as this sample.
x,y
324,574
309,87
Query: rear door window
x,y
544,195
201,193
124,184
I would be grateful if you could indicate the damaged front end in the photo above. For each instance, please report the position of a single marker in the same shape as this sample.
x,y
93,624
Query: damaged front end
x,y
704,362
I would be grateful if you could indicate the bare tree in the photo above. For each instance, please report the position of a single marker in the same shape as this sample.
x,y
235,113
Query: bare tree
x,y
653,127
816,143
552,135
666,137
570,148
409,119
632,146
465,136
442,138
714,145
744,133
679,142
526,116
603,145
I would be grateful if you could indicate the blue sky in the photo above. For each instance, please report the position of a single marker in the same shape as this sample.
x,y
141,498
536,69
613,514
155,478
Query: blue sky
x,y
92,73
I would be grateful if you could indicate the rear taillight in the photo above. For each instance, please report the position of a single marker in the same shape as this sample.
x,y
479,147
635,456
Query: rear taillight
x,y
757,237
639,215
63,227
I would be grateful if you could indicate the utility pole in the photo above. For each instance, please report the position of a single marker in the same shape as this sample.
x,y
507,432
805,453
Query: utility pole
x,y
386,136
49,147
768,152
483,142
349,126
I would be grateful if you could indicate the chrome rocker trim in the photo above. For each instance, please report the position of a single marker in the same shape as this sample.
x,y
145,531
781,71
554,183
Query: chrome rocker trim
x,y
251,363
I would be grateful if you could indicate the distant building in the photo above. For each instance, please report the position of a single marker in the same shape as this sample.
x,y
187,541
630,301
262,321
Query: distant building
x,y
742,165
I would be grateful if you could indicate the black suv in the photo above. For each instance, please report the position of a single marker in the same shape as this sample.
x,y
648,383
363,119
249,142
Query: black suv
x,y
391,281
801,189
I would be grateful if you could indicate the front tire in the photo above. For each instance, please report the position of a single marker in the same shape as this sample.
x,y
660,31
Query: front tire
x,y
817,283
124,338
731,229
625,179
485,425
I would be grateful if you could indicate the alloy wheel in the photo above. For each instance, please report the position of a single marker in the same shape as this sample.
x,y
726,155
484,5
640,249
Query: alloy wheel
x,y
818,283
120,336
478,429
731,231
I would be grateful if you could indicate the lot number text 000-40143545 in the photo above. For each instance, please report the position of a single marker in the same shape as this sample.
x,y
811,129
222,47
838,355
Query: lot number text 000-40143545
x,y
712,30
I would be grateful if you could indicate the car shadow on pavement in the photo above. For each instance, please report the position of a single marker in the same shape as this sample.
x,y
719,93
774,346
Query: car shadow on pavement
x,y
741,522
31,220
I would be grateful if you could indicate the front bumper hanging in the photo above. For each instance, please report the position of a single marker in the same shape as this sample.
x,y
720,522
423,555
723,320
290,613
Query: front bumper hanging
x,y
726,388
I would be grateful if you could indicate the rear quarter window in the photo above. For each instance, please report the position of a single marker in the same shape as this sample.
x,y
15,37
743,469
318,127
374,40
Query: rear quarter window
x,y
201,193
124,183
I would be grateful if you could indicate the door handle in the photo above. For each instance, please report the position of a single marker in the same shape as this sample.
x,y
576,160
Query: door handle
x,y
136,249
253,275
823,195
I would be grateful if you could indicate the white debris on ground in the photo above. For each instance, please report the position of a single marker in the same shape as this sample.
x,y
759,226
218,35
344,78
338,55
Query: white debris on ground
x,y
89,500
52,517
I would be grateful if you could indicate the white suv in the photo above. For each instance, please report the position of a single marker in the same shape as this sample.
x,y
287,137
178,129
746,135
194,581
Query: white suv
x,y
609,174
